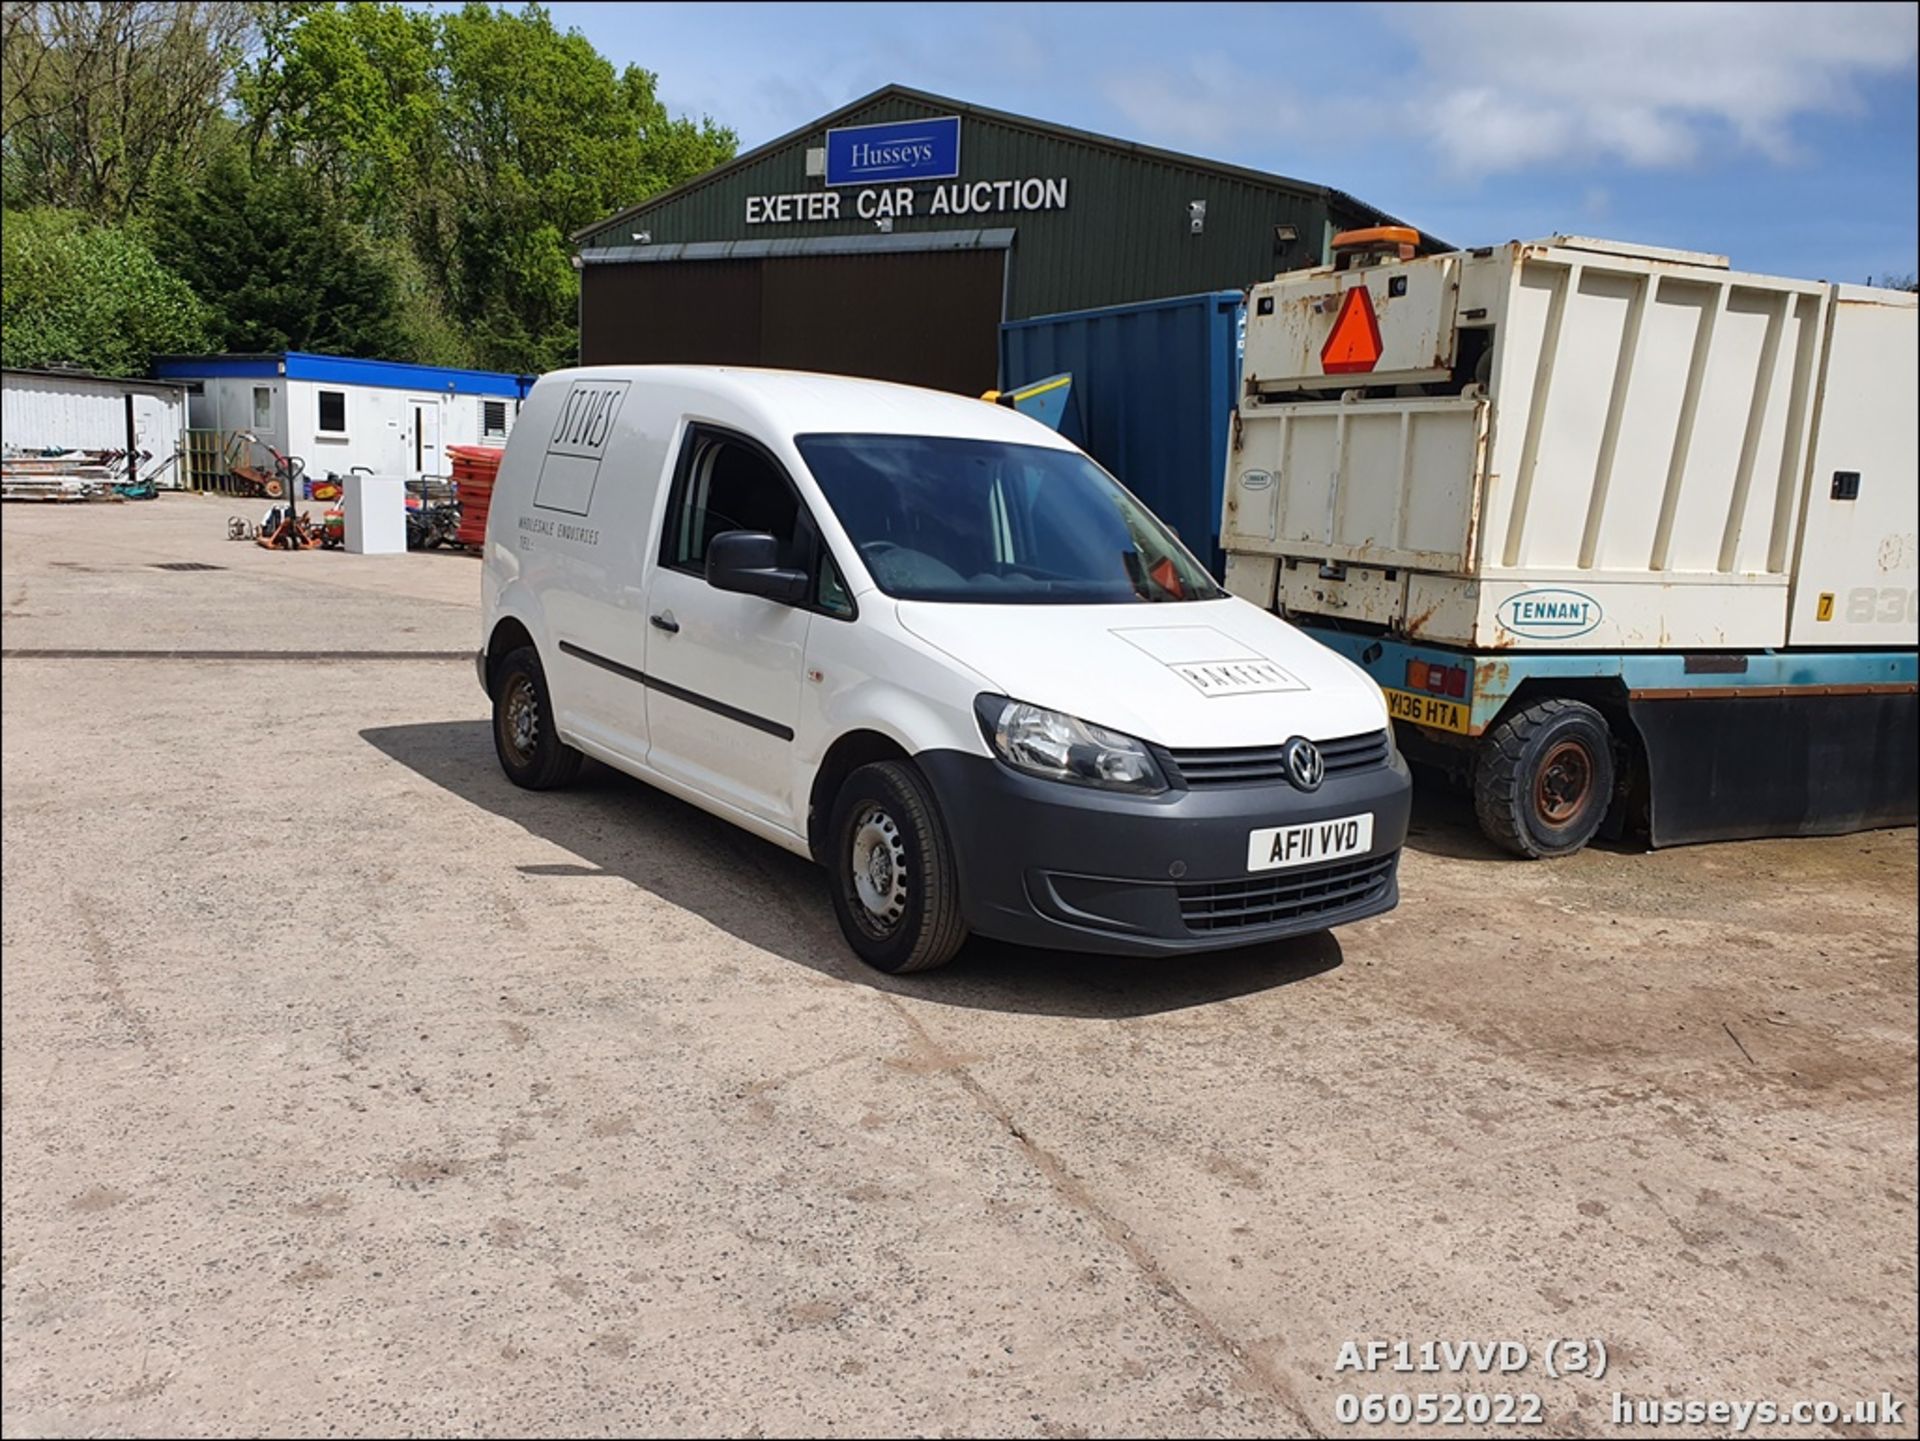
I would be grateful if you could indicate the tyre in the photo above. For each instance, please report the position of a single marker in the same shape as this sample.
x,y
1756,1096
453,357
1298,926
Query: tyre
x,y
892,872
1544,778
530,749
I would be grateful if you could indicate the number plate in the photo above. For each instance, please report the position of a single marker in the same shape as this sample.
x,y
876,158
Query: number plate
x,y
1428,710
1276,848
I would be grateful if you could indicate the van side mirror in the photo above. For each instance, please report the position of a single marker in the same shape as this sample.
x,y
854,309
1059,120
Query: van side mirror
x,y
748,562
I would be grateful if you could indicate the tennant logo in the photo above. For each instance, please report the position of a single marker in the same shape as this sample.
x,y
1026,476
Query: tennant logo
x,y
1549,614
899,150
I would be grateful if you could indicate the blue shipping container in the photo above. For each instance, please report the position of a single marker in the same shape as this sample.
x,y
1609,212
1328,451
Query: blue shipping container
x,y
1154,386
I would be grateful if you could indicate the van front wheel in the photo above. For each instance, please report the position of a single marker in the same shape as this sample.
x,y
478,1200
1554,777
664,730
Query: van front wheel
x,y
894,887
530,749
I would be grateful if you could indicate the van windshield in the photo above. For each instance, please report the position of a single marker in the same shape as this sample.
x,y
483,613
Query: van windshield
x,y
987,522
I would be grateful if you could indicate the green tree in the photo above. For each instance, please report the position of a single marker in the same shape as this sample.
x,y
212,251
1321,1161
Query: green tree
x,y
100,94
387,181
348,94
278,267
75,293
429,335
484,137
543,136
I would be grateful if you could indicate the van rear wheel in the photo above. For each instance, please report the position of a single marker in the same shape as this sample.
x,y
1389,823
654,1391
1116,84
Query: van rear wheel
x,y
530,749
894,887
1544,779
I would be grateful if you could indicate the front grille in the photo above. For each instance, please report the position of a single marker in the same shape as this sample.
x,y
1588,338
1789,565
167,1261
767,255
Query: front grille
x,y
1263,765
1285,896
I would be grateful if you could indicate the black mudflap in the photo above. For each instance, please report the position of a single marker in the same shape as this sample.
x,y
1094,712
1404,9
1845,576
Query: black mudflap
x,y
1800,765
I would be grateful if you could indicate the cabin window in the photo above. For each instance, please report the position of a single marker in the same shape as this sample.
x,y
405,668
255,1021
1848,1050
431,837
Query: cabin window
x,y
263,407
333,412
493,419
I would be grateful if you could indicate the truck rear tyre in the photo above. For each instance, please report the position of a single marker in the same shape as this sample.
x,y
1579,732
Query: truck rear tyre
x,y
894,887
1544,778
530,749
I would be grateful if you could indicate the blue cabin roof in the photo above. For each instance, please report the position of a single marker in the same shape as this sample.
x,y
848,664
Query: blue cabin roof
x,y
343,370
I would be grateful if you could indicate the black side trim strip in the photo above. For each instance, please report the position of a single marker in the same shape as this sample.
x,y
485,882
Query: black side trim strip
x,y
707,703
613,665
720,708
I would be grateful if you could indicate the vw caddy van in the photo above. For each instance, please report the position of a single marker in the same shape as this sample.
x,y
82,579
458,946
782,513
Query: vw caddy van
x,y
929,643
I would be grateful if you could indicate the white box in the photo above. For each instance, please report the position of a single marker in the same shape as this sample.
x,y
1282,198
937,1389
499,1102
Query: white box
x,y
376,507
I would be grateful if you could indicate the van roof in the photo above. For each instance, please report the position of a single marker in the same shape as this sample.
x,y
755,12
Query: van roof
x,y
799,402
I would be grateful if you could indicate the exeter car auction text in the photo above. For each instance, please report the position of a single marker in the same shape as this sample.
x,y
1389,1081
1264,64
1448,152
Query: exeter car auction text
x,y
980,197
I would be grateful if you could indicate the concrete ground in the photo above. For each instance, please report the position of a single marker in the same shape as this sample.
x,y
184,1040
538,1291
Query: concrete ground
x,y
349,1089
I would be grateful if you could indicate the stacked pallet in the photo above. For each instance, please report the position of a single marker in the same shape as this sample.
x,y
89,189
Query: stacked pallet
x,y
474,469
71,476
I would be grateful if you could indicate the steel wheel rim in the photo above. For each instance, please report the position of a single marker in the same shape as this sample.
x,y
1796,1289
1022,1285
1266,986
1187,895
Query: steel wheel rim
x,y
1564,783
877,872
520,719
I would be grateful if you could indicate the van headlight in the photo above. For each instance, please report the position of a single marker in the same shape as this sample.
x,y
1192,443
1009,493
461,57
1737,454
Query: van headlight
x,y
1063,748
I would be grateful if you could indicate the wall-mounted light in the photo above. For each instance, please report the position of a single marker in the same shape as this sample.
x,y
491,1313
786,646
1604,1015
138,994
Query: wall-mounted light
x,y
578,263
643,237
1196,216
1285,234
884,225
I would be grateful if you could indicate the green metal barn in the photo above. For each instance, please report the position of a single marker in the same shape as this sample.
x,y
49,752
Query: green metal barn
x,y
893,236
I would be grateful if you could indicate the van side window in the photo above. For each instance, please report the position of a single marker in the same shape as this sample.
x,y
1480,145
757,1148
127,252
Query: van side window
x,y
721,485
830,590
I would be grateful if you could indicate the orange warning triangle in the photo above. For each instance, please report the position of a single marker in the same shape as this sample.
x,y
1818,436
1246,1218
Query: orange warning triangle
x,y
1354,344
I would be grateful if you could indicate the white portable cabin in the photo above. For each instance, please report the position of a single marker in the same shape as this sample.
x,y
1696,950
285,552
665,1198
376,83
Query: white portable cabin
x,y
74,410
338,414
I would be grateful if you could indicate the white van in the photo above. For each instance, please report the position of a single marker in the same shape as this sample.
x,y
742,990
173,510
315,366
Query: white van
x,y
929,643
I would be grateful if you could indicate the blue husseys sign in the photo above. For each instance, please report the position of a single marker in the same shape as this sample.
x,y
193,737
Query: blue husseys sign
x,y
898,150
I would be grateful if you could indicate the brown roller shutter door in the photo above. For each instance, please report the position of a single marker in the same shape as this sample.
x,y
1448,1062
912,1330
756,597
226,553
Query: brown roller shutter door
x,y
923,317
699,312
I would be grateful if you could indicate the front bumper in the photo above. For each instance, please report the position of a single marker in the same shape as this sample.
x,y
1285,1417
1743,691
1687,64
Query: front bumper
x,y
1044,863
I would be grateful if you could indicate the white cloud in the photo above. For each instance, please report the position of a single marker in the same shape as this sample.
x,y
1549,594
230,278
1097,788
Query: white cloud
x,y
1019,48
1199,105
1499,87
1505,87
1522,132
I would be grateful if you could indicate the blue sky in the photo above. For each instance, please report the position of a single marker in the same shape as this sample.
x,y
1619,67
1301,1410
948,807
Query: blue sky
x,y
1782,135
